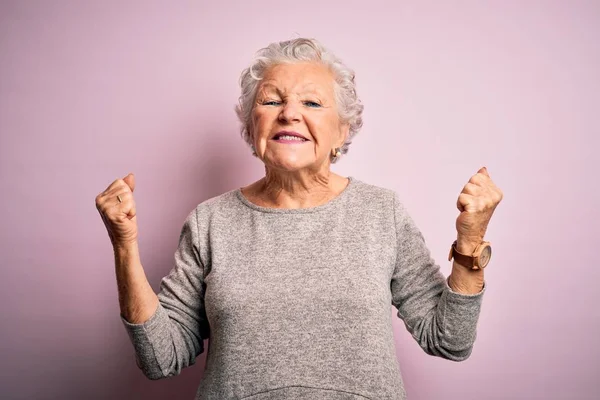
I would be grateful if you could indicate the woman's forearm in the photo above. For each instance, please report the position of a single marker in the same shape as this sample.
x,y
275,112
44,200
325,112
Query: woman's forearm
x,y
137,299
463,280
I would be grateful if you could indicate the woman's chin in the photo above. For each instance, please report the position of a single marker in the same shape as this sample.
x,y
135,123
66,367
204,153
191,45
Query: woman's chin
x,y
291,164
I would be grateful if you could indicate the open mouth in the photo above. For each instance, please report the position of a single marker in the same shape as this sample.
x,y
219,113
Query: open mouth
x,y
288,138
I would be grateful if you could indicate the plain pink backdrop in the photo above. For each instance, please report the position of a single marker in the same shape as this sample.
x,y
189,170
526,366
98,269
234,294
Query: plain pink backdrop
x,y
90,91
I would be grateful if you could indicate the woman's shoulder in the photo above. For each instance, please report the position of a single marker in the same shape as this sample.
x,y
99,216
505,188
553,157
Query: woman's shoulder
x,y
369,192
216,203
381,198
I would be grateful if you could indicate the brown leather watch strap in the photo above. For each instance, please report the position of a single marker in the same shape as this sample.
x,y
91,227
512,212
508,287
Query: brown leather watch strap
x,y
479,259
462,259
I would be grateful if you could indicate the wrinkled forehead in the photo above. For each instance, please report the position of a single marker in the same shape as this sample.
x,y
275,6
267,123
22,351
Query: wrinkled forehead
x,y
310,88
298,79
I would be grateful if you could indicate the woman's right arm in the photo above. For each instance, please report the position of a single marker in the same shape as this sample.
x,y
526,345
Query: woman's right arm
x,y
166,329
116,206
137,299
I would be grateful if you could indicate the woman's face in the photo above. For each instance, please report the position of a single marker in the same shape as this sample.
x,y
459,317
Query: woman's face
x,y
297,98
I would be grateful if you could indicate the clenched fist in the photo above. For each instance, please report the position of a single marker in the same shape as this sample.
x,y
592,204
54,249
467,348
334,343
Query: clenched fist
x,y
119,216
476,204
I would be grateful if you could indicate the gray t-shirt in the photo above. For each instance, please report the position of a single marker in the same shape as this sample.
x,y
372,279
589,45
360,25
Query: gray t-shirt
x,y
297,302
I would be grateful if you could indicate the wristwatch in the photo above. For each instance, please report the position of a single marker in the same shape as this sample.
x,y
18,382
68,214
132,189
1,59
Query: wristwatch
x,y
478,260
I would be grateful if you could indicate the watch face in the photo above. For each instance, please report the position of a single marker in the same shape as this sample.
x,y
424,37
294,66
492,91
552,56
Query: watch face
x,y
484,257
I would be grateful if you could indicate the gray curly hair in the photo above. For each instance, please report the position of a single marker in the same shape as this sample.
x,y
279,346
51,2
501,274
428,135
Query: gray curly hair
x,y
301,50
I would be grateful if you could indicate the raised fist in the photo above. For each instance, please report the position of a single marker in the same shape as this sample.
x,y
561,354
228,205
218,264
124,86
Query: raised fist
x,y
476,203
117,209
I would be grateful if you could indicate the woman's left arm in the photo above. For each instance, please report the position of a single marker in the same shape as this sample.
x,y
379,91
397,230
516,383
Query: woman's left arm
x,y
476,203
441,314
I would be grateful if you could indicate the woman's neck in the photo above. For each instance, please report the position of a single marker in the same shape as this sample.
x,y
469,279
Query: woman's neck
x,y
295,189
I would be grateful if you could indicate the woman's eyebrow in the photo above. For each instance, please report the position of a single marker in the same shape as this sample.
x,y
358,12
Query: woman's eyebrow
x,y
267,86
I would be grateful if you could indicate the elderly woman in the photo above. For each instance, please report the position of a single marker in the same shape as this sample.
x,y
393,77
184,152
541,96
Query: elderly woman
x,y
292,276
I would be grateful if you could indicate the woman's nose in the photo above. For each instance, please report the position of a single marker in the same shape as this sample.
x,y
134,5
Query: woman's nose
x,y
289,112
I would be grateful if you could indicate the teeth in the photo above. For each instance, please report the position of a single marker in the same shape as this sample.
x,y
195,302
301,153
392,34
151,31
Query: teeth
x,y
286,137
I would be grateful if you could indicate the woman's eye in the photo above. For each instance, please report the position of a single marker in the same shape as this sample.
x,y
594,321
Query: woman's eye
x,y
312,104
274,102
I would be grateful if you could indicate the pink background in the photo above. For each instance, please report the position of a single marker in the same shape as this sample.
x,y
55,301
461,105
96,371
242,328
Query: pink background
x,y
90,92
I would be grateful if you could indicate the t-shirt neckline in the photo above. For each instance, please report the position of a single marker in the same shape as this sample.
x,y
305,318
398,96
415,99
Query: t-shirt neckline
x,y
331,203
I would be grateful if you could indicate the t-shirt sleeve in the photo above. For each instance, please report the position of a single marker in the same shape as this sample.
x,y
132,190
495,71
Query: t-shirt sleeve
x,y
443,322
172,337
